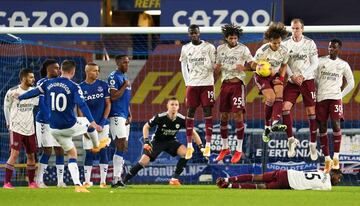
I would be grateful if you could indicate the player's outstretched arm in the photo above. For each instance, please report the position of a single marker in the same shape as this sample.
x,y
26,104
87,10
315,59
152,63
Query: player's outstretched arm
x,y
80,101
30,94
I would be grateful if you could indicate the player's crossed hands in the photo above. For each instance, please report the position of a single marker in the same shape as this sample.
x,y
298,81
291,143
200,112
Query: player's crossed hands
x,y
297,79
126,83
96,126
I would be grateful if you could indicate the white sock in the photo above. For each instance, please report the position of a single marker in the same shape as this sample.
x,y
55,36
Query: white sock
x,y
267,127
336,155
118,162
87,173
224,143
239,145
103,172
207,144
41,172
60,173
94,138
189,145
74,172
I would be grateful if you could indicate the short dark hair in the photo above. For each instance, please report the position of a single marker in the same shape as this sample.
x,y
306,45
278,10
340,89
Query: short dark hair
x,y
275,31
172,99
68,65
120,56
24,72
194,26
231,29
338,41
46,63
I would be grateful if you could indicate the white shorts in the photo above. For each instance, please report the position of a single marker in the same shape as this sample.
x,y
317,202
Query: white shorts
x,y
64,136
44,137
118,129
87,143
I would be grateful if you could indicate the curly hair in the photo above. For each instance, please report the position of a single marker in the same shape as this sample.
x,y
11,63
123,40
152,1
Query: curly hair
x,y
231,29
275,30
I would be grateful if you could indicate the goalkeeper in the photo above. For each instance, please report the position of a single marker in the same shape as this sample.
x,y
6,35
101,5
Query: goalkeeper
x,y
168,124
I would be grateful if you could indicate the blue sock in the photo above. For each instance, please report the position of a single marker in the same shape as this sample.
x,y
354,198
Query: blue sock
x,y
103,156
89,157
59,160
72,160
44,159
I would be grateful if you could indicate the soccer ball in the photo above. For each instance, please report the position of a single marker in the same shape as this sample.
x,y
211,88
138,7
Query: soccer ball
x,y
263,68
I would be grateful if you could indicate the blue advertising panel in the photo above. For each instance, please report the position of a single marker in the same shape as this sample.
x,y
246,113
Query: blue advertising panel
x,y
60,13
220,12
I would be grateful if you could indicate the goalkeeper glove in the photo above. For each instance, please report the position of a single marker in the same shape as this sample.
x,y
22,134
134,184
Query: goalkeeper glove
x,y
147,145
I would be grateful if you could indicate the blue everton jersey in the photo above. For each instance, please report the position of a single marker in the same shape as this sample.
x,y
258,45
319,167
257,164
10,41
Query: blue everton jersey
x,y
120,106
95,95
43,114
61,95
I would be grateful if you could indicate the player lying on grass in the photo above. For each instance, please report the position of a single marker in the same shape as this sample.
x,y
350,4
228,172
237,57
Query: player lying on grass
x,y
167,125
283,179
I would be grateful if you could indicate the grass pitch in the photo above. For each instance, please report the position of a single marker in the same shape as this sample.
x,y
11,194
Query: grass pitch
x,y
159,195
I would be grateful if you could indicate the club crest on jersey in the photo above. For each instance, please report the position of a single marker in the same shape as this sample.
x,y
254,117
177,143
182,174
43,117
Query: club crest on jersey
x,y
100,89
203,53
112,82
177,126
